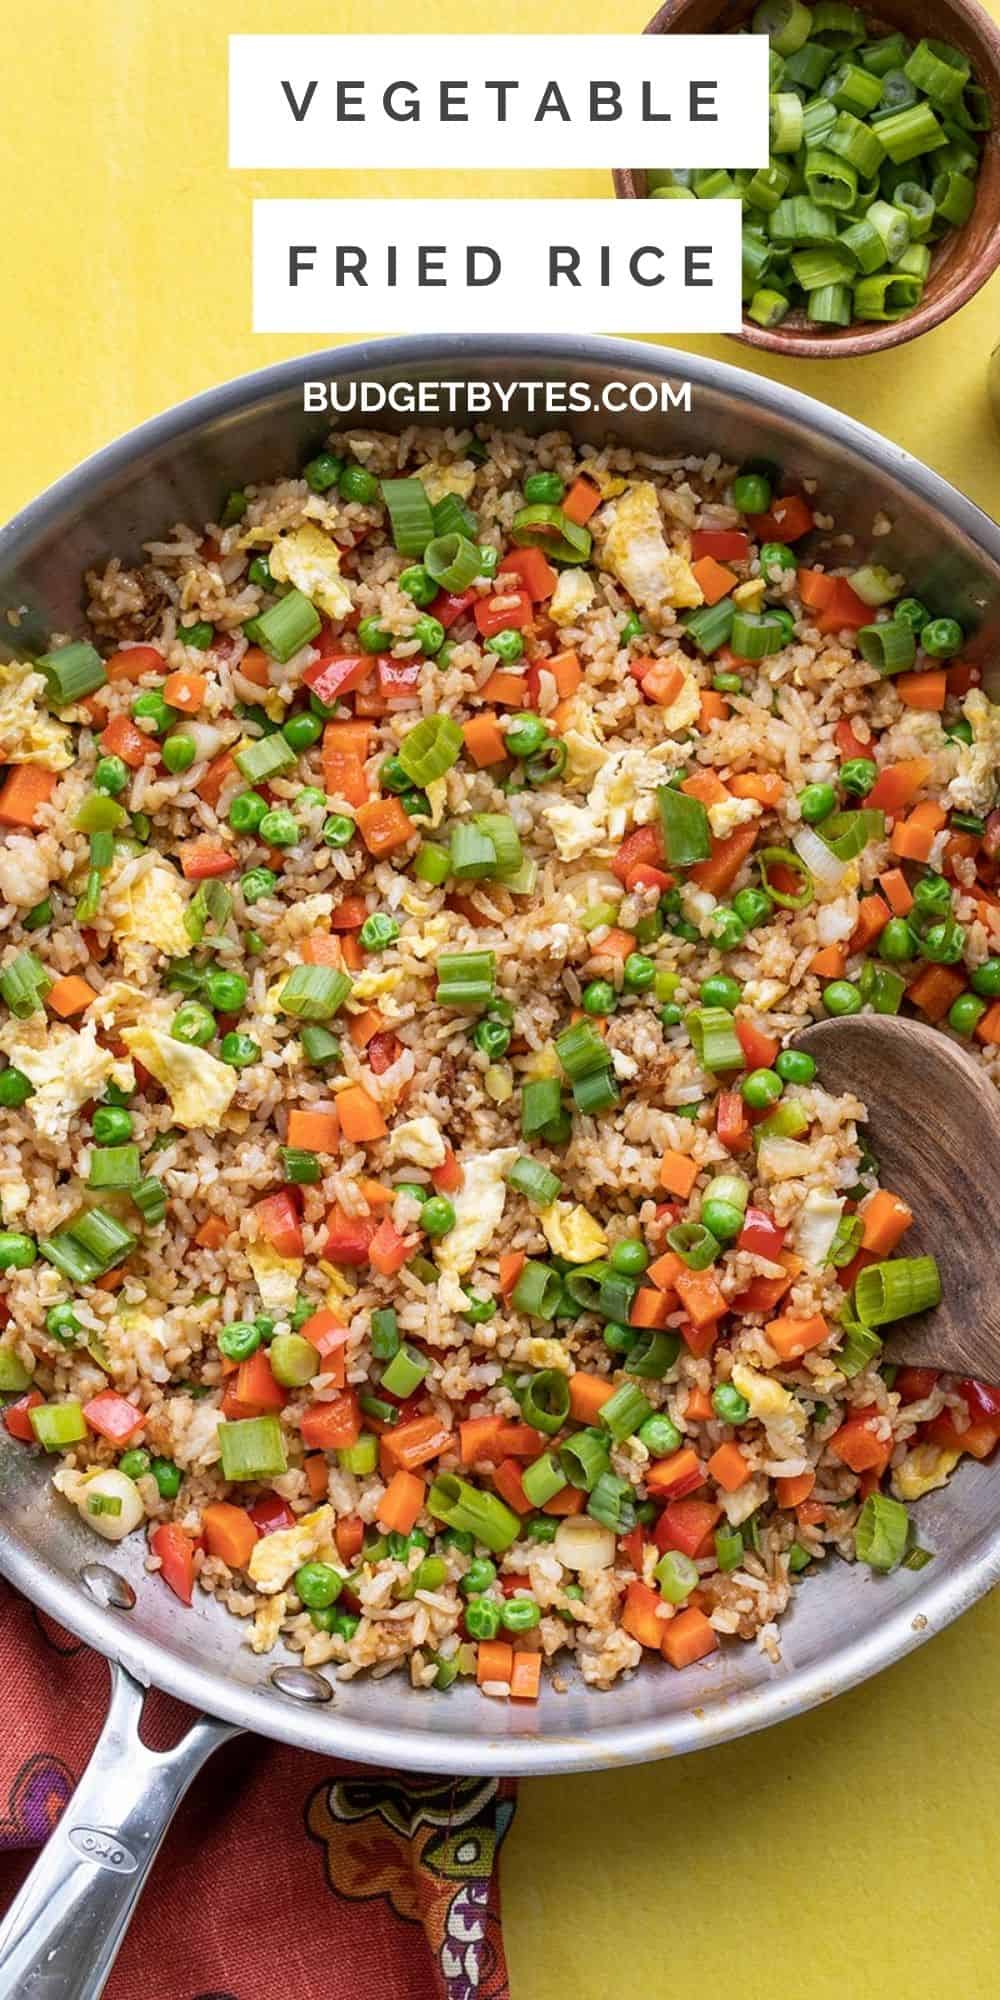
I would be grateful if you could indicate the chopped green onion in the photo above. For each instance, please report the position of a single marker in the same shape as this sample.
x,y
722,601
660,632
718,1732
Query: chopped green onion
x,y
860,1346
150,1198
537,1291
57,1425
713,1037
710,625
71,673
530,1178
430,749
584,1458
887,1292
115,1167
785,857
543,1479
252,1449
891,647
265,757
612,1503
410,515
623,1412
481,1515
282,630
545,1402
314,992
548,528
405,1371
452,561
24,984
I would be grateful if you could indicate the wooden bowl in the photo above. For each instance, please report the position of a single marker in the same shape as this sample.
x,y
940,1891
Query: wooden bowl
x,y
963,260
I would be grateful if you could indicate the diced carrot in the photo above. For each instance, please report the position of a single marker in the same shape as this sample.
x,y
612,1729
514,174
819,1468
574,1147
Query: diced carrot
x,y
639,1615
897,785
122,739
175,1551
313,1131
203,860
913,837
666,1270
787,519
844,610
349,1533
729,1468
361,1120
617,944
587,1396
318,1479
896,890
792,1492
698,1408
333,1425
885,1220
830,963
507,1480
69,996
678,1173
212,1234
255,666
363,1026
719,872
934,989
662,682
681,1473
525,1676
401,1502
349,914
413,1444
354,737
928,690
988,1026
650,1307
767,787
700,1340
484,739
688,1637
714,579
686,1524
132,663
759,1048
388,1251
566,671
494,1662
229,1532
256,1386
815,587
732,1123
221,769
856,1444
25,788
512,1263
507,690
791,1337
701,1297
873,915
448,1176
344,775
706,786
185,691
384,824
570,1500
582,500
479,1438
329,1336
712,707
643,844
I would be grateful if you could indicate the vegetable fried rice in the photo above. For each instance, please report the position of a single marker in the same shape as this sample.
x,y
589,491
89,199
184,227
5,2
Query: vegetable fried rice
x,y
417,1220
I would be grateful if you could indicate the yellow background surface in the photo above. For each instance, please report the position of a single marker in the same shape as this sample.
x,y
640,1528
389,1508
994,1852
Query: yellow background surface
x,y
851,1853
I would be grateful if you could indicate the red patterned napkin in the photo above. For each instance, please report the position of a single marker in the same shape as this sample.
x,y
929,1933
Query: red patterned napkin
x,y
282,1873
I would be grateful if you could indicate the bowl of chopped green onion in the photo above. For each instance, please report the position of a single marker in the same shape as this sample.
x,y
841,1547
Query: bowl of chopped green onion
x,y
875,216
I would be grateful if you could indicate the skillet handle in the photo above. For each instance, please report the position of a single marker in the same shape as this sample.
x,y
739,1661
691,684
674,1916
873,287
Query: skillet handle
x,y
61,1935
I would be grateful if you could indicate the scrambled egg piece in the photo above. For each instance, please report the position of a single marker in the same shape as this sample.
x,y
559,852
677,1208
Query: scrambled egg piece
x,y
200,1087
24,875
542,1062
574,591
763,994
148,908
773,1405
27,736
265,1625
419,1140
372,986
67,1066
623,791
585,752
924,1467
537,1350
727,814
275,1558
572,1232
277,1277
310,559
684,709
479,1205
636,551
973,788
439,480
437,798
120,1001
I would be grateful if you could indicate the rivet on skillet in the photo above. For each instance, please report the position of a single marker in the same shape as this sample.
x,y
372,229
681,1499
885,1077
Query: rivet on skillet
x,y
107,1588
301,1684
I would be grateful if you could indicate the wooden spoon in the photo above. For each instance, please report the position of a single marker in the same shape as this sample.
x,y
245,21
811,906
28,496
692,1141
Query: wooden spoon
x,y
934,1120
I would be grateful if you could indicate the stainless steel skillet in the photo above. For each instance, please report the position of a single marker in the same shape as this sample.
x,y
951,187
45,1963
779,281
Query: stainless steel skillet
x,y
59,1941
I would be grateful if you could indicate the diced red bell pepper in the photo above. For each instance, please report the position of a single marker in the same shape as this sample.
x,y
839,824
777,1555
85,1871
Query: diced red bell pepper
x,y
122,739
630,1547
758,1048
349,1237
203,862
511,612
787,520
449,605
686,1524
848,744
332,1426
175,1550
857,1445
17,1419
349,914
278,1220
725,544
334,674
388,1250
397,678
382,1051
270,1513
256,1387
977,1439
961,675
113,1417
913,1384
761,1235
644,845
534,573
981,1399
329,1336
731,1123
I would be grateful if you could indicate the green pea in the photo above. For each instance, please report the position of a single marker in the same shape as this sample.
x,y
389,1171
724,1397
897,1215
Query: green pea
x,y
279,827
986,979
429,635
318,1585
111,775
752,906
751,493
418,584
897,941
857,776
151,707
246,811
492,1038
239,1051
378,931
416,803
62,1323
932,896
960,731
965,1013
392,777
226,991
722,1218
795,1066
761,1089
727,683
520,1614
942,638
437,1216
111,1125
911,612
135,1463
302,731
193,1024
239,1340
258,883
17,1251
632,629
526,735
944,943
482,1618
599,997
323,471
15,1088
629,1257
542,1528
507,645
358,485
842,997
338,830
727,930
310,799
816,803
179,753
729,1404
373,636
719,990
670,1015
259,574
660,1435
167,1476
199,635
618,1339
776,559
638,973
480,1575
543,489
